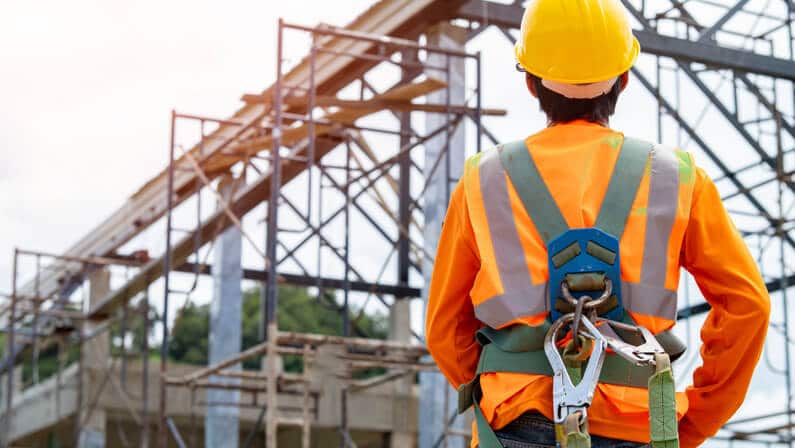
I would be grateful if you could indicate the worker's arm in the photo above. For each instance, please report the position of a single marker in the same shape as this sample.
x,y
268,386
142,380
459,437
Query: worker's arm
x,y
450,321
734,331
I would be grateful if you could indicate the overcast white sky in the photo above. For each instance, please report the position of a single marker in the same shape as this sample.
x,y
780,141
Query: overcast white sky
x,y
86,88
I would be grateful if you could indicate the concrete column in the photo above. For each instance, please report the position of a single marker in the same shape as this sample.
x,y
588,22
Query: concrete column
x,y
95,356
226,325
17,373
433,386
18,380
400,330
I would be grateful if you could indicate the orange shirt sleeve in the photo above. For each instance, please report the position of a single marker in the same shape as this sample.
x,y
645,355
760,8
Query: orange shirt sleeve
x,y
450,323
734,331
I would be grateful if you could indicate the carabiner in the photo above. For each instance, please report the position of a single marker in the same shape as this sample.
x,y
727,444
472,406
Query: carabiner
x,y
639,355
568,398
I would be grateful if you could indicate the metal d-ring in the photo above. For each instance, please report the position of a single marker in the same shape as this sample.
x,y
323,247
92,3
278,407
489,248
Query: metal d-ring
x,y
592,303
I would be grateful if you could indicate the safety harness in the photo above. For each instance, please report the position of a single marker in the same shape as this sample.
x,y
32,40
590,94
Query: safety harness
x,y
583,264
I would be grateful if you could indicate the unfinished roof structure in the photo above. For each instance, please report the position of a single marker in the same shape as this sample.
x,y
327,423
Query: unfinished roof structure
x,y
355,195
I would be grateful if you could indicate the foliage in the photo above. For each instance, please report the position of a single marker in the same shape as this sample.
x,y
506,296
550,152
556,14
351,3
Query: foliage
x,y
136,330
48,362
188,341
298,311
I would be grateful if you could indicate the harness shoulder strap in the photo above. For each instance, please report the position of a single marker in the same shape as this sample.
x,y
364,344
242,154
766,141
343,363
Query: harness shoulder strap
x,y
536,198
545,213
623,186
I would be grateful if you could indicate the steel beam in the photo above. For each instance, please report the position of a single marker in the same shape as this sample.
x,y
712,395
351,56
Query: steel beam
x,y
510,16
709,152
305,280
707,34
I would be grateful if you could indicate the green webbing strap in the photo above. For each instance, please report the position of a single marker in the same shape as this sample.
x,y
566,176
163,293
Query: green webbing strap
x,y
536,198
516,338
574,358
486,436
615,370
575,433
578,440
623,186
663,426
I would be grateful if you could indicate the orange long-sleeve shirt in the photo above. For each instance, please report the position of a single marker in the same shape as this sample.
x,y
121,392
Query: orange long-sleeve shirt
x,y
712,251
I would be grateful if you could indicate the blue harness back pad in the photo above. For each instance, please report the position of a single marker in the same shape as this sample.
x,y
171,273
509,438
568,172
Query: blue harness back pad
x,y
582,263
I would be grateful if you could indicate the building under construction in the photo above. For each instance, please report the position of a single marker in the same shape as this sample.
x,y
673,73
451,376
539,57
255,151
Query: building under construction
x,y
351,157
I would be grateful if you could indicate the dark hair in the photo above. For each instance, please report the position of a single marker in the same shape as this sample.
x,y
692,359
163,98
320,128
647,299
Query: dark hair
x,y
560,109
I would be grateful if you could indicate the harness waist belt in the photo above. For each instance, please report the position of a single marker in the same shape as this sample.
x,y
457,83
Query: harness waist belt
x,y
518,349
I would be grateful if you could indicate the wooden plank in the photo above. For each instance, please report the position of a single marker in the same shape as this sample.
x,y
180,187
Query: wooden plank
x,y
372,104
293,135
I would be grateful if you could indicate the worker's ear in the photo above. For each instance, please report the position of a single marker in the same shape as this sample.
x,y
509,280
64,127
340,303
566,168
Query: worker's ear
x,y
624,80
531,86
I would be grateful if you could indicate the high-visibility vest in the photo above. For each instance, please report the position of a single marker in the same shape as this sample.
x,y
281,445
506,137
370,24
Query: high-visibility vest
x,y
649,284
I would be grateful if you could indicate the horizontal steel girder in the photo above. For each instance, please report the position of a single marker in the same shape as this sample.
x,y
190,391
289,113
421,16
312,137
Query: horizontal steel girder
x,y
400,291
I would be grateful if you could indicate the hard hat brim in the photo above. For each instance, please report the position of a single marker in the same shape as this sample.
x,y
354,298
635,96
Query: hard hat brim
x,y
608,74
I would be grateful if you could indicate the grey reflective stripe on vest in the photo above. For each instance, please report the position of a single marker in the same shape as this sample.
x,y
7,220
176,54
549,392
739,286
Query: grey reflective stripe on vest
x,y
650,296
520,297
650,300
660,215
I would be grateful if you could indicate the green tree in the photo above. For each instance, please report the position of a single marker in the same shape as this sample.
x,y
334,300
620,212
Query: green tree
x,y
298,311
188,342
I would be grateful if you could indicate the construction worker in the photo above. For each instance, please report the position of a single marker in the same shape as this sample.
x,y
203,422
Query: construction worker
x,y
535,229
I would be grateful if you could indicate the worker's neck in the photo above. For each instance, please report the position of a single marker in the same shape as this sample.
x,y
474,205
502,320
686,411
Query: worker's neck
x,y
604,124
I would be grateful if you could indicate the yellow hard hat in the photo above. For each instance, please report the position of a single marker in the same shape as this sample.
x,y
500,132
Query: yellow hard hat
x,y
576,41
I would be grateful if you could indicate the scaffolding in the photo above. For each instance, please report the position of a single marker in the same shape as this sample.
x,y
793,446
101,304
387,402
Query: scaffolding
x,y
305,148
296,142
298,126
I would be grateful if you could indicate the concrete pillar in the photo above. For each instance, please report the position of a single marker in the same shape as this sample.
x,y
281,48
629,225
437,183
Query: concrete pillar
x,y
18,380
226,325
95,356
432,413
400,330
17,373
